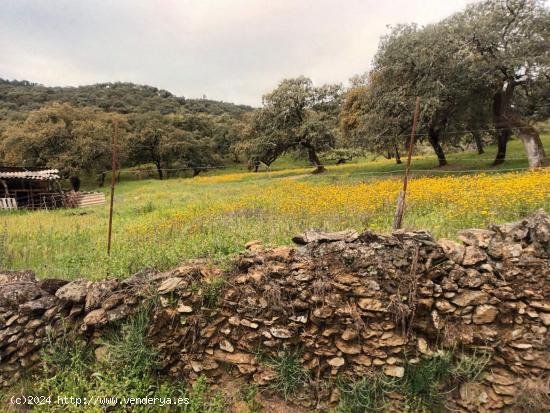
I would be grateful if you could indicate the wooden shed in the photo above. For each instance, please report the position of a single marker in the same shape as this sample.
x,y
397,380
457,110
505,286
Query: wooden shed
x,y
32,188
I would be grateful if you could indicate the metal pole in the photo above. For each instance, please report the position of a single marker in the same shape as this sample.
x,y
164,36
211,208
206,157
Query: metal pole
x,y
401,200
113,181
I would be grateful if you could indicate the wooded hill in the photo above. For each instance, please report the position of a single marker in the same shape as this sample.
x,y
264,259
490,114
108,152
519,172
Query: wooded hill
x,y
121,97
70,128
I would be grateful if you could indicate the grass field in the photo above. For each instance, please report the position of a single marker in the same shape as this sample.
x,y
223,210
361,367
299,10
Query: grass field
x,y
158,224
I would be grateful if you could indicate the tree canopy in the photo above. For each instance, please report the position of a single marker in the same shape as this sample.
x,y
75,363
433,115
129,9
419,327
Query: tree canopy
x,y
71,128
486,66
121,97
172,141
63,137
295,116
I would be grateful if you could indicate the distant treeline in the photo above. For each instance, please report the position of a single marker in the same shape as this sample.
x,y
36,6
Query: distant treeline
x,y
120,97
70,128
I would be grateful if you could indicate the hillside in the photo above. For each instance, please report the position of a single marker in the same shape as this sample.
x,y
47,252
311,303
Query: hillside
x,y
122,97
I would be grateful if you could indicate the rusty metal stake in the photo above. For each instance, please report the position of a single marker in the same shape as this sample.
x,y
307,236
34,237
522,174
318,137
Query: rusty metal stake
x,y
113,181
398,219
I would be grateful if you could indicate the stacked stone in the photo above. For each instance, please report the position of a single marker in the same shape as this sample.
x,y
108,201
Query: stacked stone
x,y
285,300
26,308
34,312
349,304
352,304
498,297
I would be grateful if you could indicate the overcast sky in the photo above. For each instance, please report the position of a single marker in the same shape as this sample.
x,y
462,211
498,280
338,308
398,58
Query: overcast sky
x,y
231,50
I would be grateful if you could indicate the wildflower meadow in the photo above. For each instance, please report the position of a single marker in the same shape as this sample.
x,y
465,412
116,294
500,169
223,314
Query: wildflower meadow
x,y
159,224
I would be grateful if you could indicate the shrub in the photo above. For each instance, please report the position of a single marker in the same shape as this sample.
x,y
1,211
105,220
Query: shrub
x,y
470,368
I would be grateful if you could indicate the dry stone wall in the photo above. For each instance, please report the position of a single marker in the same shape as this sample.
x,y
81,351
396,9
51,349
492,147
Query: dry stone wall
x,y
351,303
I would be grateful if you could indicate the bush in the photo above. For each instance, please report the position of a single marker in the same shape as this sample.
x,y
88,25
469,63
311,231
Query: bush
x,y
470,368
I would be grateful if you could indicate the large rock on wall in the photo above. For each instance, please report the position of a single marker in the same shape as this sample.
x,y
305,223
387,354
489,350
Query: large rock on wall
x,y
351,303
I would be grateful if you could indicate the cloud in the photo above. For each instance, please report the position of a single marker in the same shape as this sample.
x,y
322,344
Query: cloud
x,y
232,50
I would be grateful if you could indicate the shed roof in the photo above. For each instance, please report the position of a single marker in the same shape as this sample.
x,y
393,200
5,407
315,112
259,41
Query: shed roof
x,y
29,173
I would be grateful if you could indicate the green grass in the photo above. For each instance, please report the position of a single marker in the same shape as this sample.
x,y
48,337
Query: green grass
x,y
423,382
368,394
129,369
424,385
204,400
291,375
211,292
361,166
159,224
250,395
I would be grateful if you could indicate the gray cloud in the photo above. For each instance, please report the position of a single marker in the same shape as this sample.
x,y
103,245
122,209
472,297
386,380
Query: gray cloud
x,y
232,50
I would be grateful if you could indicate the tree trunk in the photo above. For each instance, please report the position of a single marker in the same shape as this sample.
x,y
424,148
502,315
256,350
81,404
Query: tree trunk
x,y
75,183
159,170
533,146
433,138
253,166
314,159
102,179
530,138
196,172
397,155
503,135
504,117
478,141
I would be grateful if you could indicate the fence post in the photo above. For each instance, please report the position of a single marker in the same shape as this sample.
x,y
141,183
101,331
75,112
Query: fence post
x,y
113,181
398,219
